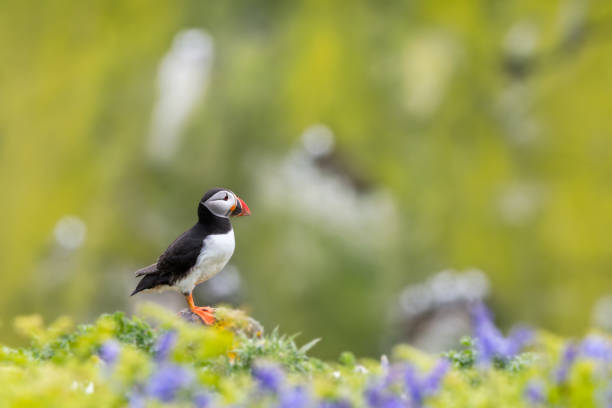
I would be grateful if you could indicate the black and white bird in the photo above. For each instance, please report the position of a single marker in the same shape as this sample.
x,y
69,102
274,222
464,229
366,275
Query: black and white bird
x,y
199,253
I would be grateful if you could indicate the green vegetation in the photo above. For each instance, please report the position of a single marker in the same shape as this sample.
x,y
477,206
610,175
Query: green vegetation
x,y
118,360
486,124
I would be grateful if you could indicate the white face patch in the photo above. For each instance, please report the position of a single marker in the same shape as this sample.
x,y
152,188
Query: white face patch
x,y
221,203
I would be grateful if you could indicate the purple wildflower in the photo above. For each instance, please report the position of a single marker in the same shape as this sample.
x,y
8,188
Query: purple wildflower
x,y
337,403
392,375
419,388
432,382
136,400
169,379
605,397
567,361
164,345
378,397
201,400
270,377
413,385
109,351
489,340
534,393
518,339
295,397
597,348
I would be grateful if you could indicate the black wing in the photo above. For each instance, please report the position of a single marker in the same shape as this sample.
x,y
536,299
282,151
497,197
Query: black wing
x,y
181,255
175,262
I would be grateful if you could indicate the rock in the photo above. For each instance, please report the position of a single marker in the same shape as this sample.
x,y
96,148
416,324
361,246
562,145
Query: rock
x,y
190,317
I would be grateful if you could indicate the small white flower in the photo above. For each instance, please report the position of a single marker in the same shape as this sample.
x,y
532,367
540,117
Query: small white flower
x,y
90,388
361,369
336,374
384,364
70,232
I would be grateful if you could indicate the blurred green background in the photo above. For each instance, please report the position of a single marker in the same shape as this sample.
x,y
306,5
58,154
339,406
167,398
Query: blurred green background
x,y
376,143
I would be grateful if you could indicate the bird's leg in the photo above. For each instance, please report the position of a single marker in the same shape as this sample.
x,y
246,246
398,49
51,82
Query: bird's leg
x,y
205,313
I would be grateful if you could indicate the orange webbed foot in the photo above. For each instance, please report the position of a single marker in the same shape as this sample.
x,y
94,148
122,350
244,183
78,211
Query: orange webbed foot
x,y
207,314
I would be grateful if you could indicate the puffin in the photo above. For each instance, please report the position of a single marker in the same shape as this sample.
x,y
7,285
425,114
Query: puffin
x,y
199,253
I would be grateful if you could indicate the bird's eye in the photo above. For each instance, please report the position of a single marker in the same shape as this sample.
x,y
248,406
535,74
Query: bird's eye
x,y
225,198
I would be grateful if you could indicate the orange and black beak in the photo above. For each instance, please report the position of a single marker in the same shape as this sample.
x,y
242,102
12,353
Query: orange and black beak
x,y
240,208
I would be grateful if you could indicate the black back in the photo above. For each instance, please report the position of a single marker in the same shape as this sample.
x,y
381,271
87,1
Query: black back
x,y
183,253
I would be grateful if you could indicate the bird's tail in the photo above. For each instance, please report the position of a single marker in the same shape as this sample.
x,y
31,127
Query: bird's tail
x,y
150,281
146,270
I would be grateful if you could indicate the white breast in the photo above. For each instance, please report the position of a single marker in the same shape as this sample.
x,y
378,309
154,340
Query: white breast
x,y
216,252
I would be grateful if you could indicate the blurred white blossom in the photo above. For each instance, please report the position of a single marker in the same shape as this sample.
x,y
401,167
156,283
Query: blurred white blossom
x,y
70,232
572,19
318,140
428,65
433,315
521,40
445,287
514,106
298,183
518,203
182,79
602,313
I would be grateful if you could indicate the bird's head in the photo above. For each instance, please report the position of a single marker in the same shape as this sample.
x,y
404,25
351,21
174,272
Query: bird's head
x,y
224,203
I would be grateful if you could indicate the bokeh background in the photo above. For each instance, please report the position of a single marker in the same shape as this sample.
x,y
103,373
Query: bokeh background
x,y
400,158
